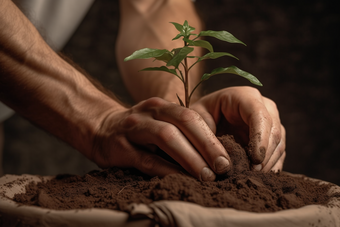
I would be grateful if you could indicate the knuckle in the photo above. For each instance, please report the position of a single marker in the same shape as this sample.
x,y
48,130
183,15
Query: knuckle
x,y
282,152
283,155
155,106
252,90
276,134
167,133
153,102
187,116
279,151
148,162
271,103
283,130
131,121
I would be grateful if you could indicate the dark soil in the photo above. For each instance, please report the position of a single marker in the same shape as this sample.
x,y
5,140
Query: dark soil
x,y
292,47
116,189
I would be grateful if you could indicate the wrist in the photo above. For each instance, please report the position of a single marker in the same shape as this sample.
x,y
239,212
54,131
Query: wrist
x,y
97,132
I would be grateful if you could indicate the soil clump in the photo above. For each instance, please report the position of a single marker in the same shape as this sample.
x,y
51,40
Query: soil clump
x,y
115,189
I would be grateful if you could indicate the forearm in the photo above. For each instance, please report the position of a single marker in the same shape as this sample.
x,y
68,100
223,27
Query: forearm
x,y
143,24
43,87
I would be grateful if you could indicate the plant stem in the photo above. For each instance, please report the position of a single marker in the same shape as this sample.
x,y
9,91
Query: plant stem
x,y
186,83
180,72
193,90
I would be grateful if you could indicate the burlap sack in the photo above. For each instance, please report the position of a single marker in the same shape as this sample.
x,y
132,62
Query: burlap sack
x,y
162,213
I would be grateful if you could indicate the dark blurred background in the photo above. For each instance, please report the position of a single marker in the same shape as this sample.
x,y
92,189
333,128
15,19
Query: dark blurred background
x,y
292,47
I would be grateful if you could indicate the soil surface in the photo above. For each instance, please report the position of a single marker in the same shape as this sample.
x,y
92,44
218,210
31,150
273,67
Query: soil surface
x,y
292,47
115,189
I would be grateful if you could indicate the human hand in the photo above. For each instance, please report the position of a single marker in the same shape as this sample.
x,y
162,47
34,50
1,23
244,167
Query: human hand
x,y
251,118
126,137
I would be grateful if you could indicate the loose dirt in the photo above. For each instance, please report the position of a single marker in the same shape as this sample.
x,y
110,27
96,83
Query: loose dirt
x,y
115,189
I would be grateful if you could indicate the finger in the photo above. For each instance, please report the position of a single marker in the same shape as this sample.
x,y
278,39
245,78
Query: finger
x,y
259,133
170,139
248,107
279,164
153,165
194,128
209,120
275,149
126,155
277,154
277,133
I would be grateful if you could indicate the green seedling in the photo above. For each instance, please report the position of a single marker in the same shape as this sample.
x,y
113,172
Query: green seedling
x,y
178,56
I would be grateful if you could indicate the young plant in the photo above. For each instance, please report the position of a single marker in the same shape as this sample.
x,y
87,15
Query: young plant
x,y
178,56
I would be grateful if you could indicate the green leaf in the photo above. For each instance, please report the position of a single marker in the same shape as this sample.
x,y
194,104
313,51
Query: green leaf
x,y
176,50
232,70
179,56
221,35
185,24
162,68
215,55
178,26
166,57
177,36
146,53
200,43
191,29
212,55
187,28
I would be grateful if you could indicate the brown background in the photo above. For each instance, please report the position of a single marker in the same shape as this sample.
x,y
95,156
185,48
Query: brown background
x,y
293,48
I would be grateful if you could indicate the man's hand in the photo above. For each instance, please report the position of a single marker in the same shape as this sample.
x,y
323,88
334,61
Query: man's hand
x,y
125,138
253,119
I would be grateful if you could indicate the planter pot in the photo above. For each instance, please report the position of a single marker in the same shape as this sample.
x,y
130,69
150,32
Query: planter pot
x,y
163,213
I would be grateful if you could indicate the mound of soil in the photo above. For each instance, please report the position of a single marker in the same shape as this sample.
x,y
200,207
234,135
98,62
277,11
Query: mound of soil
x,y
116,189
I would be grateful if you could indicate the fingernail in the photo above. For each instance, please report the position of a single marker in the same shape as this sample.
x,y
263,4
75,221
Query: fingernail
x,y
207,174
257,167
221,165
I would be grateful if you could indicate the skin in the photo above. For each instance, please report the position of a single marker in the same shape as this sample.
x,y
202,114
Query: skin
x,y
150,20
248,113
47,90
